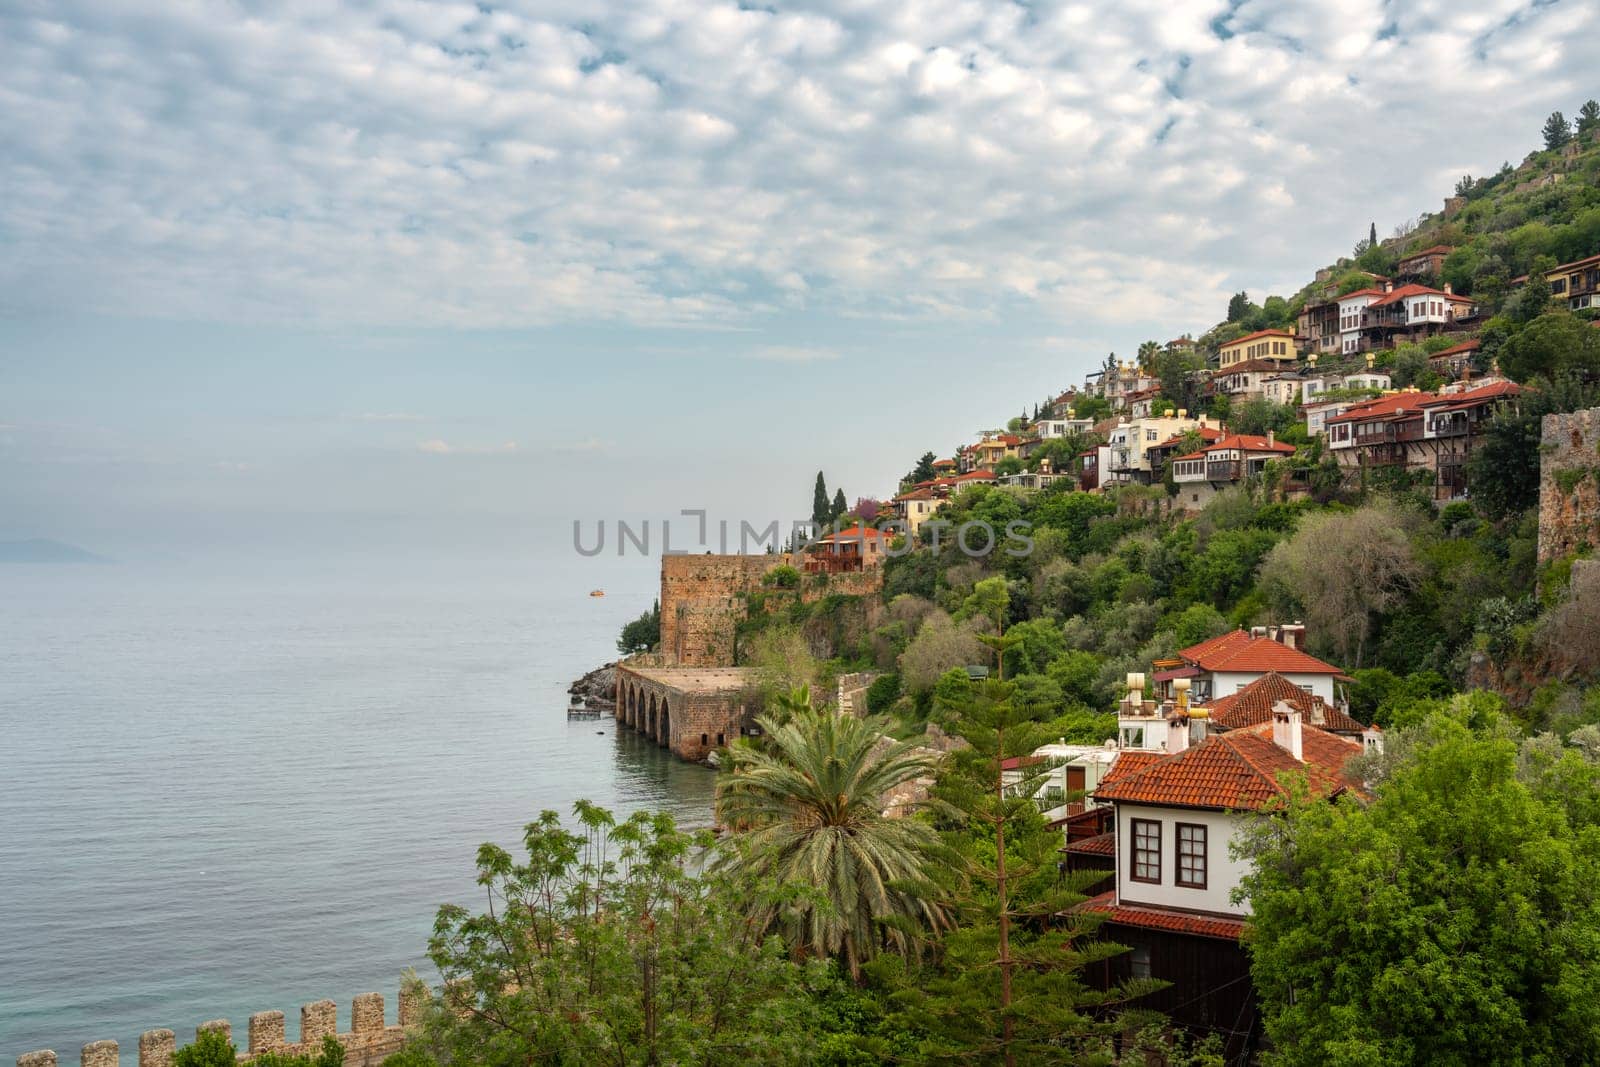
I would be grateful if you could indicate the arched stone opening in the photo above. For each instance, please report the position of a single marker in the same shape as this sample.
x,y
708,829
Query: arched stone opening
x,y
665,737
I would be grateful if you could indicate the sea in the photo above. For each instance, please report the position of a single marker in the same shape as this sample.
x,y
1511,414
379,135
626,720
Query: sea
x,y
229,788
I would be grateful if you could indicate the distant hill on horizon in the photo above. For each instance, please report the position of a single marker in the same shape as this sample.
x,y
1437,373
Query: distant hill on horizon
x,y
43,550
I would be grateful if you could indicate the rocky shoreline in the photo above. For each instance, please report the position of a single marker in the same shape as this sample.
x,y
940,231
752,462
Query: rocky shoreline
x,y
595,693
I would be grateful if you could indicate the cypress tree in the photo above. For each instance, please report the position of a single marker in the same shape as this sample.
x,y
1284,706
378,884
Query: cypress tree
x,y
821,513
839,506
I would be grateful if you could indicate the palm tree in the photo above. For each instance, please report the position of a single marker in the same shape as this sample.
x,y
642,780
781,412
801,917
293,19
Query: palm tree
x,y
788,705
809,805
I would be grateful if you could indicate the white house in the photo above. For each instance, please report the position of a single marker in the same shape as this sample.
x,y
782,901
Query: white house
x,y
1224,665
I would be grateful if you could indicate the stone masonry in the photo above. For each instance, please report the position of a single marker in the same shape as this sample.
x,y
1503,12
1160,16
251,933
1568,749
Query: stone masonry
x,y
688,710
368,1042
1569,483
703,600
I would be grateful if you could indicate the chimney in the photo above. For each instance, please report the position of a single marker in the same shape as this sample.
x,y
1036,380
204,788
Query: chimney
x,y
1286,729
1272,438
1177,733
1447,290
1293,634
1388,287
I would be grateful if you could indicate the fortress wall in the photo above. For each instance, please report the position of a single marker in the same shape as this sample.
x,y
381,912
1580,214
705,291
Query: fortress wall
x,y
1569,483
369,1040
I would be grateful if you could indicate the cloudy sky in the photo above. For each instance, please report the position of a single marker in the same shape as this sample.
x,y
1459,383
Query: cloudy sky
x,y
319,265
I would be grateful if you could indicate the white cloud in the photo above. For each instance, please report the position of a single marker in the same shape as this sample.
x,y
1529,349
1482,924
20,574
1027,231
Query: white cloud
x,y
457,164
438,447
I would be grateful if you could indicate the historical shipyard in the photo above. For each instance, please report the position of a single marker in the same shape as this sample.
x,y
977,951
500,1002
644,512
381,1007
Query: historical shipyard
x,y
691,696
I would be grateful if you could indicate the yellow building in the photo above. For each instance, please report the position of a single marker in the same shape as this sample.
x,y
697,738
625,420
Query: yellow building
x,y
1276,345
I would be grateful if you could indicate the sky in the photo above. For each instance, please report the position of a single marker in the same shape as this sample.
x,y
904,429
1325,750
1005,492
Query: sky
x,y
458,274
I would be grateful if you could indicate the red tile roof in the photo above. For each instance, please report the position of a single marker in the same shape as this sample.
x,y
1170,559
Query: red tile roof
x,y
853,533
1253,336
1361,292
1255,655
1404,291
1130,762
1382,407
1169,919
1233,771
1446,249
1213,645
1099,845
971,476
1245,442
1456,350
1206,433
1254,703
1473,397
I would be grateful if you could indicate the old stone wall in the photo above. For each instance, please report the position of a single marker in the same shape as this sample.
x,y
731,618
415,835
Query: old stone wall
x,y
367,1043
703,600
1569,483
688,710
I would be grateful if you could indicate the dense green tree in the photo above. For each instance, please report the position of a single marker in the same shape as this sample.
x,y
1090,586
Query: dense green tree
x,y
1503,470
212,1048
1240,307
1009,988
1453,919
821,508
1555,343
839,507
1589,118
605,944
1557,131
807,810
642,634
1340,571
923,471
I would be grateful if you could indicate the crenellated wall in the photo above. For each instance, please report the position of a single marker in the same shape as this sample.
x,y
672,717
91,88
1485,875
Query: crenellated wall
x,y
369,1040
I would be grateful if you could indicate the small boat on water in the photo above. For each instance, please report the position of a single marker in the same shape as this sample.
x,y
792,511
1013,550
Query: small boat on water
x,y
597,592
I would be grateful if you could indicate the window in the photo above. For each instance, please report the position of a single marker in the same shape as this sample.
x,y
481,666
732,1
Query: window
x,y
1139,962
1146,851
1191,855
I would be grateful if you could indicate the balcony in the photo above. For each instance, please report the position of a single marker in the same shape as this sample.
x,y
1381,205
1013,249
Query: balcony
x,y
1224,471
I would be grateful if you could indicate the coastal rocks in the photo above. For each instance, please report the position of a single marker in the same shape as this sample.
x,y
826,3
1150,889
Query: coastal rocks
x,y
595,693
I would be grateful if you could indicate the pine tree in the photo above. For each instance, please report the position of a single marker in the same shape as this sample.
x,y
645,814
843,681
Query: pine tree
x,y
1372,236
1588,118
1238,306
821,511
923,471
1556,131
839,506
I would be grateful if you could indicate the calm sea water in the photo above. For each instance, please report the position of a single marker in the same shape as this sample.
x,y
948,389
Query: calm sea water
x,y
223,793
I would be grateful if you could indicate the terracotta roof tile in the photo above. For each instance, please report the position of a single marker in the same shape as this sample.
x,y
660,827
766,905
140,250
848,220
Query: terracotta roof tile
x,y
1099,845
1164,918
1233,771
1130,762
1402,292
1263,654
1254,703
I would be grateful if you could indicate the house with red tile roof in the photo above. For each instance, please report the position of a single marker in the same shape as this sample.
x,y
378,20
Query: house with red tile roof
x,y
1450,362
852,549
1276,347
1222,666
1371,320
1252,706
1174,876
1224,462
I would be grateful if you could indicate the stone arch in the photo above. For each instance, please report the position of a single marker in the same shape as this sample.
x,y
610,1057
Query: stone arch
x,y
651,732
665,737
629,697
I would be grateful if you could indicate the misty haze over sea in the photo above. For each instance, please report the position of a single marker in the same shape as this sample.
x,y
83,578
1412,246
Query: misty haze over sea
x,y
230,784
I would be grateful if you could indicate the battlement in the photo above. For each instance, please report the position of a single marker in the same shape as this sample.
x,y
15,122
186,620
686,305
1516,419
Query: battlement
x,y
368,1041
